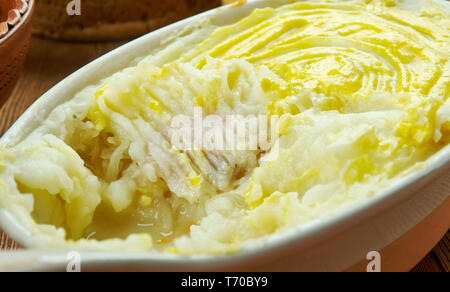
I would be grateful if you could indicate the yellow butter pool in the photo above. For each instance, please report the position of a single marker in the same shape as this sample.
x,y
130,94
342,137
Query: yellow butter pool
x,y
361,91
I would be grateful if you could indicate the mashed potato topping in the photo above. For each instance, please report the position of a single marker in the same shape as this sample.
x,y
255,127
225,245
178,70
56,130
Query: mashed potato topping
x,y
361,89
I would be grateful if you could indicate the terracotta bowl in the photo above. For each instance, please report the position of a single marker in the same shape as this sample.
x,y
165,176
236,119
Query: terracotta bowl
x,y
15,33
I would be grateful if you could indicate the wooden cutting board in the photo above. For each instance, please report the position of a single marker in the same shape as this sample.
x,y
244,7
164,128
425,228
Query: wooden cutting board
x,y
49,62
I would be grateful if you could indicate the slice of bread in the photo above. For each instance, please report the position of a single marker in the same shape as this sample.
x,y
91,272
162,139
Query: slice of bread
x,y
103,20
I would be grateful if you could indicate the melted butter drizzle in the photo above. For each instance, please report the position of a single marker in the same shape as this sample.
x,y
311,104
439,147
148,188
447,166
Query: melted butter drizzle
x,y
351,49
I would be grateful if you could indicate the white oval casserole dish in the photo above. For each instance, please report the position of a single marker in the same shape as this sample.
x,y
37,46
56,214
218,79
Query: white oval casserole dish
x,y
331,244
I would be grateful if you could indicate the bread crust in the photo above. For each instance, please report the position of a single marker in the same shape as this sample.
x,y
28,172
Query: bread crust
x,y
106,20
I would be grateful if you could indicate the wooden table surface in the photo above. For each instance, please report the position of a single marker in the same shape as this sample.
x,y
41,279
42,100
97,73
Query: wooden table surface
x,y
49,62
